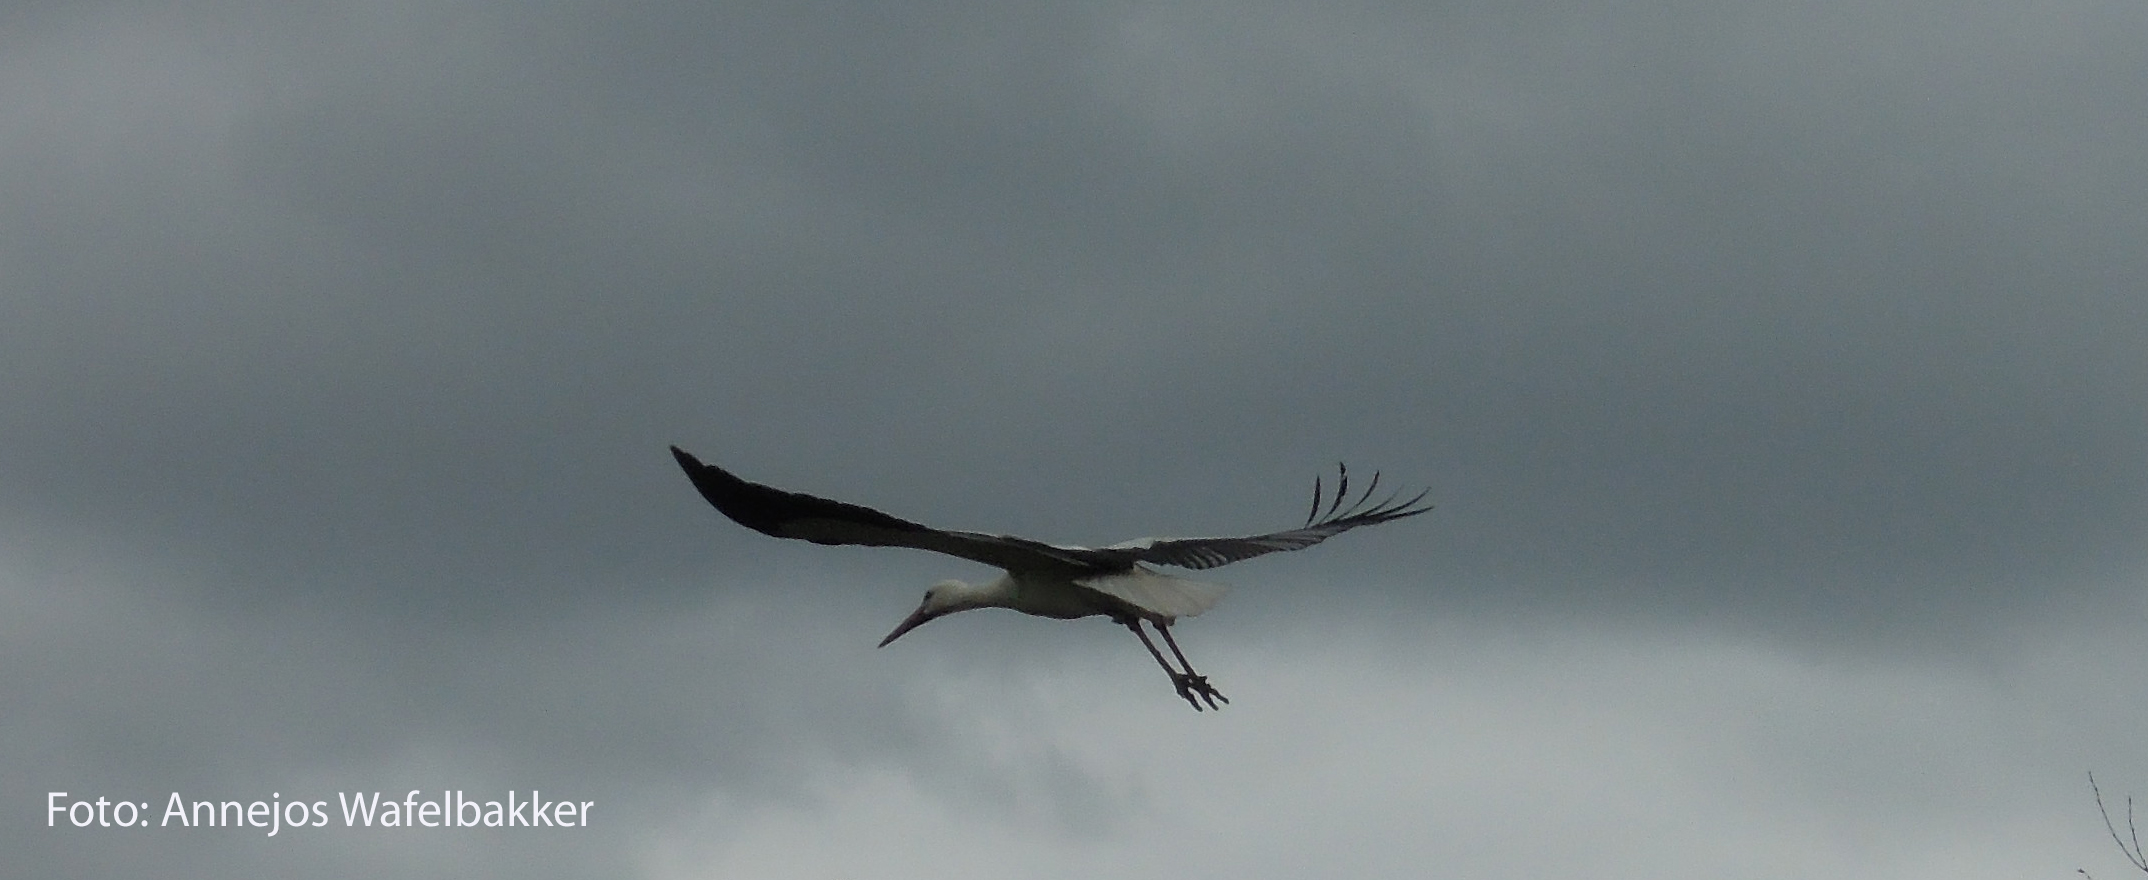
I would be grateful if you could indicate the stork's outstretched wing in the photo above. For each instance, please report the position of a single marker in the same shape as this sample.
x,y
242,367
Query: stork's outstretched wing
x,y
1200,553
772,511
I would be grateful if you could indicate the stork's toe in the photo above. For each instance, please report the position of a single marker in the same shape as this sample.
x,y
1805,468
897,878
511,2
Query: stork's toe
x,y
1192,686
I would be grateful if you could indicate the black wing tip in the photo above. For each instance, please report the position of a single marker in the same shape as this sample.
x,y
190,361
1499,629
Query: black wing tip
x,y
753,506
769,510
1362,511
702,473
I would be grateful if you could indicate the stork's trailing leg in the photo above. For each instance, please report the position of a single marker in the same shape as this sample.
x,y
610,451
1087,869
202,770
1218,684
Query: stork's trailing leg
x,y
1196,683
1189,684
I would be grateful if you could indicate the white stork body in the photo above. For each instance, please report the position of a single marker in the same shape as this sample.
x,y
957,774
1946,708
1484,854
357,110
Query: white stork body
x,y
1140,592
1046,580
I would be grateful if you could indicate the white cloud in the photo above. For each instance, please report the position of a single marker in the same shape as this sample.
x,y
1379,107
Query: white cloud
x,y
1478,753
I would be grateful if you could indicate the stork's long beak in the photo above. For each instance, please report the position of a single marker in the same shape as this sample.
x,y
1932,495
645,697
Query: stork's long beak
x,y
909,623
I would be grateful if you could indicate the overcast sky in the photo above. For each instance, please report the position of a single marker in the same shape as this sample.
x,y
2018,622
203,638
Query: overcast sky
x,y
1777,369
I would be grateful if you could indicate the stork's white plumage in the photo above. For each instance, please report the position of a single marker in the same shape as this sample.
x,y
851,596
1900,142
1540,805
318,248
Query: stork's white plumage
x,y
1049,580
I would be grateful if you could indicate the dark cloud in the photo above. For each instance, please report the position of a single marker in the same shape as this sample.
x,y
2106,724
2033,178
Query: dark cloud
x,y
343,345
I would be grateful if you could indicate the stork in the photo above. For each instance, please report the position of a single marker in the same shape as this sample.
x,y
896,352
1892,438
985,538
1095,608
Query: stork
x,y
1051,580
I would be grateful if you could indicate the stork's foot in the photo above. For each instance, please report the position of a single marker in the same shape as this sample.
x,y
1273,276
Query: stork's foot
x,y
1191,686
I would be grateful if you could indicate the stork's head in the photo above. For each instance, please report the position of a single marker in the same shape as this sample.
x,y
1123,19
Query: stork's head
x,y
945,597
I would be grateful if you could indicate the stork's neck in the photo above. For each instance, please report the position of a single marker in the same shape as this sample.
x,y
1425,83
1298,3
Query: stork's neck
x,y
999,592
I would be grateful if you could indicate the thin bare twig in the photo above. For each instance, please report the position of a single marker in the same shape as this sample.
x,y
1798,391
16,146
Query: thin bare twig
x,y
2134,853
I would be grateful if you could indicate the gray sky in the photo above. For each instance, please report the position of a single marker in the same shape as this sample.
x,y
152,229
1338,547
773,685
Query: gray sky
x,y
1776,368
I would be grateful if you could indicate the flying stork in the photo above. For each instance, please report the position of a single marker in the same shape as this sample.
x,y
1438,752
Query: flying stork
x,y
1050,580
